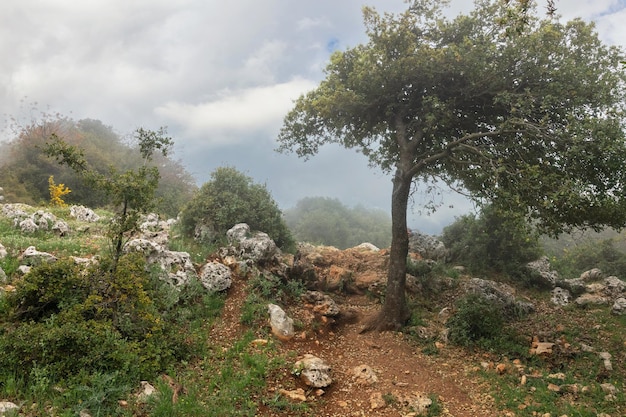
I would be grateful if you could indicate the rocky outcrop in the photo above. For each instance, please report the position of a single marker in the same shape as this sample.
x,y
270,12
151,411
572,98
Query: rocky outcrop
x,y
215,277
83,214
32,257
257,248
541,272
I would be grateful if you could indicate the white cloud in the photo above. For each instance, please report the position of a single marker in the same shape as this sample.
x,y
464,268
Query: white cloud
x,y
232,115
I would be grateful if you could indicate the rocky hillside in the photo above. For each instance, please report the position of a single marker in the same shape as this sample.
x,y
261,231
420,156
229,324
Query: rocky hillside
x,y
473,346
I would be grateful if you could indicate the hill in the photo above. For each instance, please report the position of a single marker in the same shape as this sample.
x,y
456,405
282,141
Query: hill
x,y
457,357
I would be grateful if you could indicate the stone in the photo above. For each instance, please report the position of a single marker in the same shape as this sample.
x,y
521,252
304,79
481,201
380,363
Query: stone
x,y
321,303
419,402
560,296
61,228
619,306
28,226
281,324
606,360
296,394
8,407
364,375
593,274
33,257
429,247
608,388
499,293
377,401
542,272
366,246
313,371
3,276
83,214
147,391
215,277
259,248
575,286
588,299
614,287
3,252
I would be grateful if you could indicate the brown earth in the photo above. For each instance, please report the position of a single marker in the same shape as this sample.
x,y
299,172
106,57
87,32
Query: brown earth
x,y
402,369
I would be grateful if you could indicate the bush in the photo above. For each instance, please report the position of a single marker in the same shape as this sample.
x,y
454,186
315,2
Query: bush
x,y
593,254
475,320
494,242
231,198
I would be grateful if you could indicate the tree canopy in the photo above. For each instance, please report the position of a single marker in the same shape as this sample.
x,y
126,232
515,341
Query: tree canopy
x,y
229,198
517,109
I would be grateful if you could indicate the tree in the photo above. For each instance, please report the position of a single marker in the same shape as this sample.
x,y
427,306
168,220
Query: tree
x,y
515,109
229,198
132,191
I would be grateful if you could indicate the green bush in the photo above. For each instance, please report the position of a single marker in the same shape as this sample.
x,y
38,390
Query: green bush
x,y
475,320
231,198
494,242
593,254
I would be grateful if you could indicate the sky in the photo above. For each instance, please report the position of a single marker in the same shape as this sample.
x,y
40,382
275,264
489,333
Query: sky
x,y
221,76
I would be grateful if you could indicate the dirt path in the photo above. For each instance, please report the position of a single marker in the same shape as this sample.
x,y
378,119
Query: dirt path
x,y
402,370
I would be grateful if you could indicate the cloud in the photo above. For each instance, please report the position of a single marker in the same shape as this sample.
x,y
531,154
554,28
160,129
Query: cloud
x,y
232,115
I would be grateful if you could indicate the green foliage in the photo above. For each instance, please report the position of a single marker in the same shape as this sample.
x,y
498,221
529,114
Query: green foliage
x,y
131,192
265,289
475,320
24,169
327,221
229,198
493,242
601,254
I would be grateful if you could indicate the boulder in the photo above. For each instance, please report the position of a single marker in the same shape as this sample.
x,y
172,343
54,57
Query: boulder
x,y
3,252
593,274
366,246
215,277
364,375
28,226
313,371
614,287
60,228
33,257
590,299
429,247
560,296
83,214
499,293
8,407
619,306
542,272
43,219
575,286
281,324
177,265
259,248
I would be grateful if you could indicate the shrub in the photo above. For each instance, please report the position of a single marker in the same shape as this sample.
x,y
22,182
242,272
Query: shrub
x,y
475,319
494,242
231,198
592,254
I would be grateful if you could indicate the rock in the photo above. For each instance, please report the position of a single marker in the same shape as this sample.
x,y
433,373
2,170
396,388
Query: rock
x,y
296,394
366,246
429,247
43,219
281,324
364,375
594,274
608,388
542,272
33,257
590,299
501,294
575,286
8,407
177,265
418,402
560,296
3,276
28,226
215,277
60,228
614,287
619,306
147,390
3,252
259,248
377,401
321,303
606,359
313,371
83,214
23,269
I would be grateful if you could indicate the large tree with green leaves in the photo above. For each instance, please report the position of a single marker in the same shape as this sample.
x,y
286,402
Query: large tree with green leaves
x,y
515,108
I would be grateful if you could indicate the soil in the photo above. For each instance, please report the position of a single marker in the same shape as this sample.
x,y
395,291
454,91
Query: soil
x,y
402,369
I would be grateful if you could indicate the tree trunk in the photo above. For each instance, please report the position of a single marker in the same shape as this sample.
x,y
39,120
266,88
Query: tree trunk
x,y
395,312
